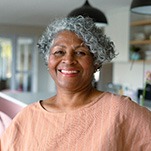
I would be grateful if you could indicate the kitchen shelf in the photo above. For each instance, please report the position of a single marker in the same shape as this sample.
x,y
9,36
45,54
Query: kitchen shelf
x,y
141,23
141,61
140,42
141,39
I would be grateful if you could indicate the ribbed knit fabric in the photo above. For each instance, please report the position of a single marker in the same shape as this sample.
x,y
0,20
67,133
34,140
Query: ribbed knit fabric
x,y
109,123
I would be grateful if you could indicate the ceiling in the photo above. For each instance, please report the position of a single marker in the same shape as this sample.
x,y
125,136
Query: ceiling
x,y
41,12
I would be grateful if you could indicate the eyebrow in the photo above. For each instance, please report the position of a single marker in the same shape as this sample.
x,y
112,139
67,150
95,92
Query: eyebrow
x,y
57,45
74,47
81,45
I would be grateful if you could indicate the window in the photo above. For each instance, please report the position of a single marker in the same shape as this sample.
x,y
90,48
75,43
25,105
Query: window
x,y
24,66
16,63
5,62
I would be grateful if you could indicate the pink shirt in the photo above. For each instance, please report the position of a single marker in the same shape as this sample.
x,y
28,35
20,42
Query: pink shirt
x,y
109,123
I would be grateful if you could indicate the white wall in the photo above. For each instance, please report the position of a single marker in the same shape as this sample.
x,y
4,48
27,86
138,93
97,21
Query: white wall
x,y
130,74
11,30
118,31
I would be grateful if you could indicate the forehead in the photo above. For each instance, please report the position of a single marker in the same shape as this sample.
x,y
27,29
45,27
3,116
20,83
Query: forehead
x,y
68,36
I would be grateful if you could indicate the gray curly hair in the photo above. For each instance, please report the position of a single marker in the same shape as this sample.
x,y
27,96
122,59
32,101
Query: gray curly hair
x,y
99,44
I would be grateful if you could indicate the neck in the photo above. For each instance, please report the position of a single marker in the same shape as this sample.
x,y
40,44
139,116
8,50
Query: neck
x,y
69,100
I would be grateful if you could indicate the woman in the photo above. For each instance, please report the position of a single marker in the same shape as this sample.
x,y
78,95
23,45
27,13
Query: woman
x,y
78,117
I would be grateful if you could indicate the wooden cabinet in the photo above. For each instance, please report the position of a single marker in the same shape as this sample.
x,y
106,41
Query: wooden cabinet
x,y
140,40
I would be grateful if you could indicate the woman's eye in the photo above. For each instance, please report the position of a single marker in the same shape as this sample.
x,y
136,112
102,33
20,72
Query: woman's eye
x,y
80,53
59,53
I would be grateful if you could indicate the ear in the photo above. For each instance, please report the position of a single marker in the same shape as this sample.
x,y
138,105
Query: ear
x,y
97,66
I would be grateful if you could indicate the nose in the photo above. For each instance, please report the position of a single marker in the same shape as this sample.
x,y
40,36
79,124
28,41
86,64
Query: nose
x,y
69,59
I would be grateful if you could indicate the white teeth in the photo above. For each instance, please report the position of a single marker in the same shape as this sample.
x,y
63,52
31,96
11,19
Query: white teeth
x,y
69,72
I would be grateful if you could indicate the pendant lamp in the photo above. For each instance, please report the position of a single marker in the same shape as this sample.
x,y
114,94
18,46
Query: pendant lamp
x,y
141,6
88,11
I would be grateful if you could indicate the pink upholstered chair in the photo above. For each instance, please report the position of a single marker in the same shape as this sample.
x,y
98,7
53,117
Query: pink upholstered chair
x,y
5,121
8,110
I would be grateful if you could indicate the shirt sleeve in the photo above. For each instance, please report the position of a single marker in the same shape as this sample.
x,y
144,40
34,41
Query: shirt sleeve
x,y
137,126
9,136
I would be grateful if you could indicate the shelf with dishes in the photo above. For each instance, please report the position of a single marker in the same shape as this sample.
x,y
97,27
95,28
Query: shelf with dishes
x,y
140,43
141,23
141,54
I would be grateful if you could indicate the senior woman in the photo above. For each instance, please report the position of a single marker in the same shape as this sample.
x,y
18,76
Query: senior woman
x,y
78,117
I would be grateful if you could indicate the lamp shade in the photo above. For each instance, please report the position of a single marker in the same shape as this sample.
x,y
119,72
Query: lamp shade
x,y
141,6
88,11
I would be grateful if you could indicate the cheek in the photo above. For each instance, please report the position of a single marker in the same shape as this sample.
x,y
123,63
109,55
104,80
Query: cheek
x,y
52,64
88,64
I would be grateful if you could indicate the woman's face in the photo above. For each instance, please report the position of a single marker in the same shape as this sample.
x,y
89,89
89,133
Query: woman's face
x,y
70,64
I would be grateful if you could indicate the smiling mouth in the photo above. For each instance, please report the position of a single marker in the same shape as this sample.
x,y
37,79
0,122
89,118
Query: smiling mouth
x,y
69,71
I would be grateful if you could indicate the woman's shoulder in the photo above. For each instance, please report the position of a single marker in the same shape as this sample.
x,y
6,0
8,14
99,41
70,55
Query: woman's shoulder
x,y
117,99
124,109
32,106
23,117
109,97
122,103
28,110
